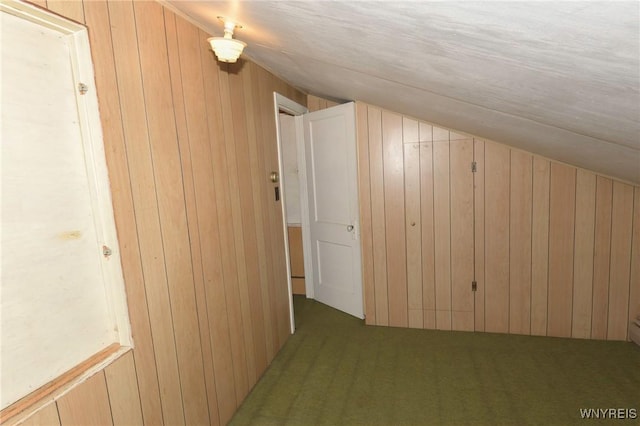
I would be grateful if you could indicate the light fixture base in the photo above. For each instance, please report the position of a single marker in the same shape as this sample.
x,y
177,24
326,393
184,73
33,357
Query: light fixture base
x,y
228,22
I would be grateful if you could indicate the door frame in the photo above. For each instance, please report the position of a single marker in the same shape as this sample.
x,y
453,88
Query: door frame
x,y
284,104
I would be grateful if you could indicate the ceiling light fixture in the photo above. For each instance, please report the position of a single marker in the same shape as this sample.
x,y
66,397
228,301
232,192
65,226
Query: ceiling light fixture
x,y
226,48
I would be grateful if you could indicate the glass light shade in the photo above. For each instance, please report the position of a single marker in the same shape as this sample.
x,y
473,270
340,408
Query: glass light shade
x,y
226,49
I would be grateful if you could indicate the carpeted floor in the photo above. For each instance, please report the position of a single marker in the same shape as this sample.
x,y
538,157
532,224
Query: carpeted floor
x,y
336,371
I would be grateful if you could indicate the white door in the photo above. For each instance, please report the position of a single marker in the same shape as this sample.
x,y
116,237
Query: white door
x,y
331,167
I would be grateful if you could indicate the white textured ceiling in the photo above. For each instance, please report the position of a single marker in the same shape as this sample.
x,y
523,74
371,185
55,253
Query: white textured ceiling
x,y
560,79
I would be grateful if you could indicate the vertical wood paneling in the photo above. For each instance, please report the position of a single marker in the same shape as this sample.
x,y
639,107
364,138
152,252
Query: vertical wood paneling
x,y
203,221
440,134
176,204
313,103
230,142
394,218
48,416
540,246
124,399
87,404
601,258
191,207
535,234
280,297
428,239
260,190
442,228
378,216
425,132
210,72
71,9
634,291
521,198
268,205
294,94
248,213
478,239
497,192
296,254
562,196
462,313
621,232
132,105
583,262
410,138
173,221
116,155
364,198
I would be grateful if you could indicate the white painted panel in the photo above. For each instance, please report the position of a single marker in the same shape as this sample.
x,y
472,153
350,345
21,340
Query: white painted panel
x,y
335,264
329,152
55,308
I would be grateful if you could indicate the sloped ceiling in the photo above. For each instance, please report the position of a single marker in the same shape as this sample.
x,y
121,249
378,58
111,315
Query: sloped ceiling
x,y
560,79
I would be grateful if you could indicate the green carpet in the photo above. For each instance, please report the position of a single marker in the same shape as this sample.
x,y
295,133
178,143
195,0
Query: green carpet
x,y
336,371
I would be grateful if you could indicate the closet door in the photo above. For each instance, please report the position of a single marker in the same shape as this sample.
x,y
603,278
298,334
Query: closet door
x,y
452,181
439,227
461,184
421,222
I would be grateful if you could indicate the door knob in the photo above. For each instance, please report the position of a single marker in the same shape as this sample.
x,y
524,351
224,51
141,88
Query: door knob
x,y
349,228
274,177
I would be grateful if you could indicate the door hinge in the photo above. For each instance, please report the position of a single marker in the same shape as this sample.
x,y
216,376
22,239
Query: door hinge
x,y
83,88
106,251
474,167
474,285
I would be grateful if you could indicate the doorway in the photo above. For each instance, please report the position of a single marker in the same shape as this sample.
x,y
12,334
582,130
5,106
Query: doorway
x,y
291,186
289,138
319,200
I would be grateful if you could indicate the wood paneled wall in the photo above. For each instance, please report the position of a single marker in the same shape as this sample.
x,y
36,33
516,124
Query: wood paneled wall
x,y
190,144
555,250
315,103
